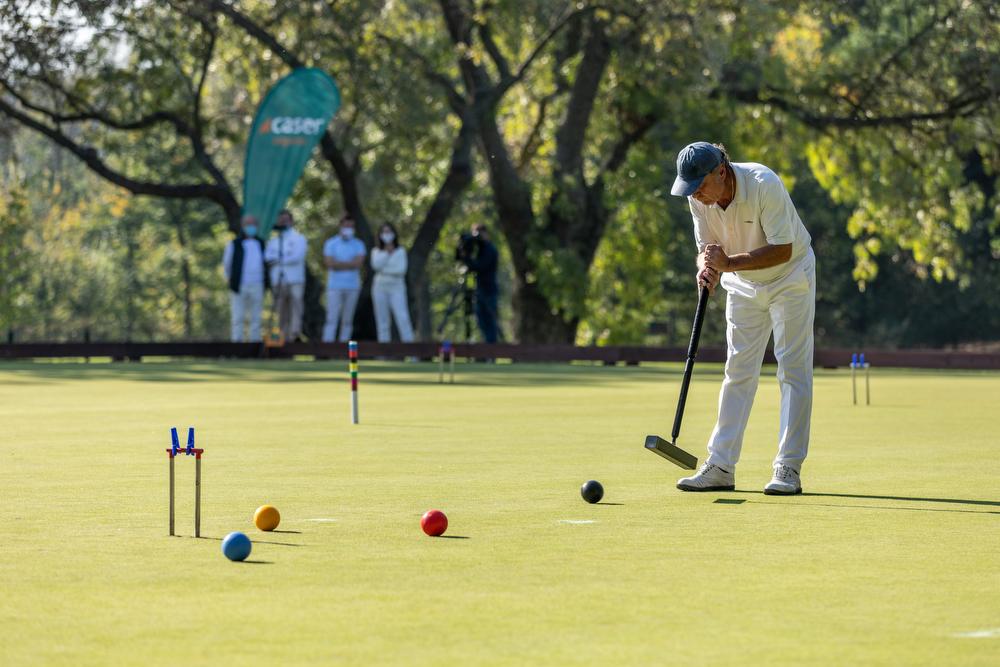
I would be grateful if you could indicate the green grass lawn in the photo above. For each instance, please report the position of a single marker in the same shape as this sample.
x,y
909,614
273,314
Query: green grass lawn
x,y
891,556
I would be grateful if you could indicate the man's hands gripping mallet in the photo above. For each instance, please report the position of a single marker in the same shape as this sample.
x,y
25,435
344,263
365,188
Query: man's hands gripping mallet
x,y
712,261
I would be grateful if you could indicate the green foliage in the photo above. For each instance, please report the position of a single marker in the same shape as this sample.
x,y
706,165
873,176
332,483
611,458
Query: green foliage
x,y
15,261
880,118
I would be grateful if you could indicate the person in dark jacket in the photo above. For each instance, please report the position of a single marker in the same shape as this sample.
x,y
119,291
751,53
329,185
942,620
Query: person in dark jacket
x,y
481,256
243,264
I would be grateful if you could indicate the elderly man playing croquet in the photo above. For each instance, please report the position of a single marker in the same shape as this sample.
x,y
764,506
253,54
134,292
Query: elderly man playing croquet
x,y
751,240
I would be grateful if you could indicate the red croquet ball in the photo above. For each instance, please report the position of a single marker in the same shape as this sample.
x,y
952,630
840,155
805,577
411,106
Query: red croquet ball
x,y
434,522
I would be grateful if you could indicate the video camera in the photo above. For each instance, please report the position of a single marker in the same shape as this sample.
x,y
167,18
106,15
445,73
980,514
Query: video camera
x,y
468,244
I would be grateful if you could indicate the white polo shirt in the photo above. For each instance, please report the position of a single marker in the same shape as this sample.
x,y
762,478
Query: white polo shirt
x,y
343,250
761,213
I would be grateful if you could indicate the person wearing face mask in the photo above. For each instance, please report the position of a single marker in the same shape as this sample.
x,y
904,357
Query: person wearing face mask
x,y
750,239
243,264
286,256
343,255
389,287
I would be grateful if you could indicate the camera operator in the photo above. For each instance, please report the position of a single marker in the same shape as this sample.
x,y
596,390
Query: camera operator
x,y
477,252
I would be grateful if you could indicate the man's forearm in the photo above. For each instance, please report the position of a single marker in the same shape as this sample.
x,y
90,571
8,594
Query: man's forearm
x,y
334,265
762,258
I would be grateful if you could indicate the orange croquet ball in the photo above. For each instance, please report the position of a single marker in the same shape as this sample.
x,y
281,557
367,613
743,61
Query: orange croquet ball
x,y
266,517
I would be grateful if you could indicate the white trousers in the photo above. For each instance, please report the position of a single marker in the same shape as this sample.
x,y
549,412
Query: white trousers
x,y
390,304
290,304
340,306
787,307
247,304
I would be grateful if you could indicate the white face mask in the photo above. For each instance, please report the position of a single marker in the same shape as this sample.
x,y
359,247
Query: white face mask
x,y
387,237
347,232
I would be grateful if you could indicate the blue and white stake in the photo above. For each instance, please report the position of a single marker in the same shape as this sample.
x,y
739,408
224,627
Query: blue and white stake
x,y
446,350
854,384
858,363
865,365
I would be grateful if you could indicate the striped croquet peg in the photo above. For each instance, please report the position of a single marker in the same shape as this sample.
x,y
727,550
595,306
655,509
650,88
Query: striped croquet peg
x,y
352,357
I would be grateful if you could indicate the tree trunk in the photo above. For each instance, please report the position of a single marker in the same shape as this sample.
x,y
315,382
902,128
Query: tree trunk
x,y
424,324
132,286
185,273
457,180
535,322
314,314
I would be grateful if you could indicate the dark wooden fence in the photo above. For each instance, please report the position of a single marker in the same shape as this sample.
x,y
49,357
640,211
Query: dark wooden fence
x,y
829,358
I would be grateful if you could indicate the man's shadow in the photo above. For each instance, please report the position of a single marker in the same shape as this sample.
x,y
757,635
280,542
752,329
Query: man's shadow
x,y
860,496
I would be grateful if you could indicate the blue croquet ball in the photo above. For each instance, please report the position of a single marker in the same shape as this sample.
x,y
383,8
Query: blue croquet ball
x,y
236,546
592,491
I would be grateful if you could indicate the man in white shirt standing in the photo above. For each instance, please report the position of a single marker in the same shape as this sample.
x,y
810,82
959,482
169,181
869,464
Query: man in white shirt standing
x,y
243,264
750,239
286,255
343,256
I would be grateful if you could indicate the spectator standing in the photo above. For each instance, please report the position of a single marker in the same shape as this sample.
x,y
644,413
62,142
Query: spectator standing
x,y
389,287
243,264
343,255
481,256
286,256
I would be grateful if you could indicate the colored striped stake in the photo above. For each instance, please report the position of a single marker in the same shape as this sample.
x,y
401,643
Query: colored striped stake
x,y
352,356
446,349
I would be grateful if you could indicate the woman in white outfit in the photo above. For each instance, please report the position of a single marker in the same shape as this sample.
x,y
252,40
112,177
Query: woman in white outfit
x,y
389,287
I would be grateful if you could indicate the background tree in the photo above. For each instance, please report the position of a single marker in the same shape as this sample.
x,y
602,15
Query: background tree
x,y
557,121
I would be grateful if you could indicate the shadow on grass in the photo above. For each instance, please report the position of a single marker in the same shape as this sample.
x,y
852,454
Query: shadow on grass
x,y
454,537
955,501
471,375
879,507
257,562
407,426
293,532
618,504
253,541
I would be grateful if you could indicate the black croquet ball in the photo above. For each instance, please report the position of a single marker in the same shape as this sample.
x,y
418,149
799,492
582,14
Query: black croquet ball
x,y
592,491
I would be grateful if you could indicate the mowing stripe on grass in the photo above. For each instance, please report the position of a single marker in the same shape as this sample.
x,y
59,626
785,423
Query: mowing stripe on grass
x,y
993,633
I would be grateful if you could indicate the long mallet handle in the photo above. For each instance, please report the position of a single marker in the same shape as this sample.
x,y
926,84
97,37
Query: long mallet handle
x,y
699,318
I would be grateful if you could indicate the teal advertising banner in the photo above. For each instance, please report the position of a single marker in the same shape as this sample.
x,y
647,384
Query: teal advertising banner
x,y
289,123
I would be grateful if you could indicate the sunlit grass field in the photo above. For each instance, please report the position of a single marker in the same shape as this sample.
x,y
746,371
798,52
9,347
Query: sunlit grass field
x,y
892,556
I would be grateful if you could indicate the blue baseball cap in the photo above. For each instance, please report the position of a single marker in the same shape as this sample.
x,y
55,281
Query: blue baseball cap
x,y
694,163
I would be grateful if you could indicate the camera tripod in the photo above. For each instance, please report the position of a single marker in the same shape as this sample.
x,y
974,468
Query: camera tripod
x,y
461,294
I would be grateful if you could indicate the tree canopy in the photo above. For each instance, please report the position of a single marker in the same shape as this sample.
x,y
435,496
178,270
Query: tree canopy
x,y
555,122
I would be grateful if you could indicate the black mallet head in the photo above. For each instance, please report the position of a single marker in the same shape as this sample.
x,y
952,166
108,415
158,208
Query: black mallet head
x,y
671,452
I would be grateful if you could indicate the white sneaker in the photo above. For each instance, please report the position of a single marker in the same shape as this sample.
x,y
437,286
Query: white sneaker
x,y
785,482
710,478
